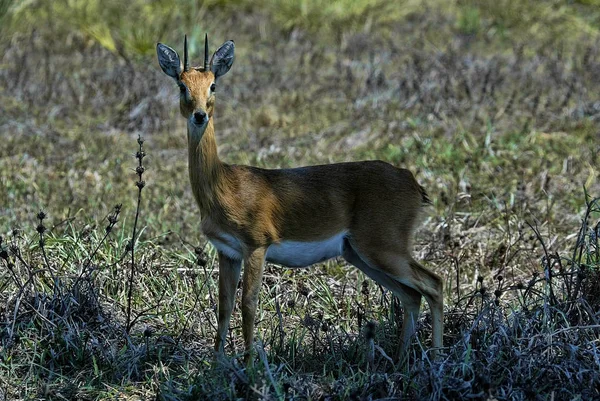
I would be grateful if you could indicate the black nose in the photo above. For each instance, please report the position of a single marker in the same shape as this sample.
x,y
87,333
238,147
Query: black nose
x,y
199,117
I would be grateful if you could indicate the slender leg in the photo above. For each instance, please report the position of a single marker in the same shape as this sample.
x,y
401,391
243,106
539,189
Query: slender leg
x,y
405,270
411,303
406,278
253,272
410,299
229,275
431,286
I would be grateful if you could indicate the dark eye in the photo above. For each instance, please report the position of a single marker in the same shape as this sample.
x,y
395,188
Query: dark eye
x,y
213,87
184,93
182,89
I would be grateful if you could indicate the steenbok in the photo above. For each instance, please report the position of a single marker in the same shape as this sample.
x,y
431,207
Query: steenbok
x,y
365,211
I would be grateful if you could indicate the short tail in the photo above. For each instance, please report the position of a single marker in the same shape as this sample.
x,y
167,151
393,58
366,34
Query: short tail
x,y
424,197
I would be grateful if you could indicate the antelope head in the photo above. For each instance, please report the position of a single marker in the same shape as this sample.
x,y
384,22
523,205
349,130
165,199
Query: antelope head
x,y
197,85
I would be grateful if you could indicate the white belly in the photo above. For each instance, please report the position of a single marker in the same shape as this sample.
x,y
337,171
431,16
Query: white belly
x,y
287,253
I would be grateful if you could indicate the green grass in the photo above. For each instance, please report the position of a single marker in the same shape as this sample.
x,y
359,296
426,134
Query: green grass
x,y
492,104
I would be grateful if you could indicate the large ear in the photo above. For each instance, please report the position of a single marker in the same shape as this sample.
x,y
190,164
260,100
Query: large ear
x,y
168,60
222,60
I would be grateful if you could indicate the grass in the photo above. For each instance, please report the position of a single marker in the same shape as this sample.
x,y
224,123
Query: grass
x,y
492,104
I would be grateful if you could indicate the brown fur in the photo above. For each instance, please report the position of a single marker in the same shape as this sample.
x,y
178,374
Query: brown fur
x,y
376,203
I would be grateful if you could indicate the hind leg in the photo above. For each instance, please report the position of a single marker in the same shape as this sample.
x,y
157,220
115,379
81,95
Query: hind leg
x,y
399,272
410,299
404,269
431,286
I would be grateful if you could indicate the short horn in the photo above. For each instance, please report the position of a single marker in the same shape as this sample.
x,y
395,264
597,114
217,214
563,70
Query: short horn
x,y
186,62
206,52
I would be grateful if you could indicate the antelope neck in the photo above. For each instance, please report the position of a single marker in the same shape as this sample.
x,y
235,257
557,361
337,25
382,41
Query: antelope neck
x,y
205,167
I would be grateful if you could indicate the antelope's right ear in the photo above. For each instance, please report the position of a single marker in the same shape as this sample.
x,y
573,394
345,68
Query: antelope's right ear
x,y
222,60
169,61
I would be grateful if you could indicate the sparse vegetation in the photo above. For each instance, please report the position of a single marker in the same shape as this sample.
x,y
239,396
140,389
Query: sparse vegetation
x,y
492,103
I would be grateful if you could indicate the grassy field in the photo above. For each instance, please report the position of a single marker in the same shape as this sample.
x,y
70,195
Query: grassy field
x,y
493,104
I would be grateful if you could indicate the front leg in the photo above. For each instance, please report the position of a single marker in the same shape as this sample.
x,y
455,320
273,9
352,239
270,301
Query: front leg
x,y
253,271
229,276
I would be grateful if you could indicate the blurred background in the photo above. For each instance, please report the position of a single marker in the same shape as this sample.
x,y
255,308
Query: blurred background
x,y
488,101
492,103
432,85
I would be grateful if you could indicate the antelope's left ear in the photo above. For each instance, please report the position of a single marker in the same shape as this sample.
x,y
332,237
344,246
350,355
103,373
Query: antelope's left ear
x,y
222,60
168,59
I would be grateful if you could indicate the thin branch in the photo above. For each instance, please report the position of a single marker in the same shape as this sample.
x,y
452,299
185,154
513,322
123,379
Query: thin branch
x,y
140,185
